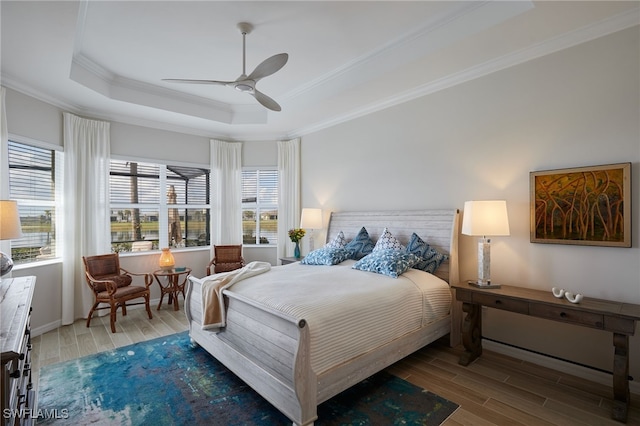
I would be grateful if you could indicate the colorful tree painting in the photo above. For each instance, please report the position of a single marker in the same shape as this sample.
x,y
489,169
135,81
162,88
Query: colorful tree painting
x,y
586,205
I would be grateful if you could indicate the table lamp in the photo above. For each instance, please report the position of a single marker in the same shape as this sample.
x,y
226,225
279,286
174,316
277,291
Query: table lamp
x,y
311,219
166,261
10,229
483,219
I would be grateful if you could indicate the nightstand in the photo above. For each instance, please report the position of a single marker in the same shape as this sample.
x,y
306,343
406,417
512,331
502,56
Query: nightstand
x,y
288,260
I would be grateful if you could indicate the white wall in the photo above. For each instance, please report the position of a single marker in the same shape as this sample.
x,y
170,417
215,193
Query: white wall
x,y
480,140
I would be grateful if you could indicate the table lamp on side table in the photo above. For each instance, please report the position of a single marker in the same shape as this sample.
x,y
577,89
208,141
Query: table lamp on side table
x,y
482,219
10,229
311,219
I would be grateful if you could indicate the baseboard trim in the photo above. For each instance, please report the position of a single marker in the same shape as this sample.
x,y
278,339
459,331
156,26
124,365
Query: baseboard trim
x,y
577,370
37,331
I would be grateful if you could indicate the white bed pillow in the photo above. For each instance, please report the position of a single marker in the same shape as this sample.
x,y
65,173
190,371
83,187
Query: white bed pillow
x,y
387,242
339,241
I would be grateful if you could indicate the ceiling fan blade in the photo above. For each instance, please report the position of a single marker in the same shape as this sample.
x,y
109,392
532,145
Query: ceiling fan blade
x,y
269,66
182,80
266,101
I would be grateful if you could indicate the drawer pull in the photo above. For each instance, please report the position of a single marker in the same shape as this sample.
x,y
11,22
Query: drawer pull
x,y
563,315
498,302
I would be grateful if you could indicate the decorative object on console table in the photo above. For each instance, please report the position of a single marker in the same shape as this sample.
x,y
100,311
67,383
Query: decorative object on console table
x,y
18,393
296,235
10,229
574,194
311,219
482,219
616,317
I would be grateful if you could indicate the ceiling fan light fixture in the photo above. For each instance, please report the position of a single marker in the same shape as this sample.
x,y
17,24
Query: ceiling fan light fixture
x,y
243,87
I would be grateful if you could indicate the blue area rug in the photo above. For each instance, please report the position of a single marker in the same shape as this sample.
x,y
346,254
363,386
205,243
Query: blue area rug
x,y
167,382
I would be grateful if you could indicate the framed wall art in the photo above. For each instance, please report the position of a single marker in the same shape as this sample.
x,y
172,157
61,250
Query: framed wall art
x,y
582,205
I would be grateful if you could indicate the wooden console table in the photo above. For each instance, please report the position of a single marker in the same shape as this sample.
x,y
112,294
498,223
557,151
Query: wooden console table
x,y
616,317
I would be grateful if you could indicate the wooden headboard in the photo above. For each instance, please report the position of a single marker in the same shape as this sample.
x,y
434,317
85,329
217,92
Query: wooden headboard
x,y
439,228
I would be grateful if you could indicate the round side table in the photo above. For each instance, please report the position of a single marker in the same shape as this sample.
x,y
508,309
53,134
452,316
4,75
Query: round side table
x,y
171,282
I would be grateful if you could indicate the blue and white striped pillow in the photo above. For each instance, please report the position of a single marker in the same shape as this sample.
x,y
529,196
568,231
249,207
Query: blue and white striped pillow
x,y
361,245
430,258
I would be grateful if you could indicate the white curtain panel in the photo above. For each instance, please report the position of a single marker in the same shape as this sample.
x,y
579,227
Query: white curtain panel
x,y
4,148
5,246
288,193
226,197
86,208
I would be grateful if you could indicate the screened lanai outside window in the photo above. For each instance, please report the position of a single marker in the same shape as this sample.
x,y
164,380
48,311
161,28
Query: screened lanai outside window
x,y
155,206
260,206
33,176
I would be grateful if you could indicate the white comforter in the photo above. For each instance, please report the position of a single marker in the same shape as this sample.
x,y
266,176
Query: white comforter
x,y
349,312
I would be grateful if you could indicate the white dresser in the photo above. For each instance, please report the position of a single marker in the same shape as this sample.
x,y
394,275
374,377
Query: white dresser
x,y
18,393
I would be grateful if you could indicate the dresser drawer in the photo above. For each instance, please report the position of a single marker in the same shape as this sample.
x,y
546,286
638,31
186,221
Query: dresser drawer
x,y
560,313
499,302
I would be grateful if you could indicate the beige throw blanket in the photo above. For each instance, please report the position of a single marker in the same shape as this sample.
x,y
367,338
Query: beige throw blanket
x,y
213,308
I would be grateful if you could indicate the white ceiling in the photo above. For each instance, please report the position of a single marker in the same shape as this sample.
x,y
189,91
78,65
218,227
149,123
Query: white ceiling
x,y
106,59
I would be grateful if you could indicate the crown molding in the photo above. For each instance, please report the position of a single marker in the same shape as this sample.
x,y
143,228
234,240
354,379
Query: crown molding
x,y
579,36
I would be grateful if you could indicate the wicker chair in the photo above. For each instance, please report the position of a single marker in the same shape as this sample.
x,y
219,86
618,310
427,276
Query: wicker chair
x,y
225,259
111,284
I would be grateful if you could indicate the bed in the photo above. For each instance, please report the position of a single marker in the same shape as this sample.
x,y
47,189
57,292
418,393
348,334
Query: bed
x,y
279,350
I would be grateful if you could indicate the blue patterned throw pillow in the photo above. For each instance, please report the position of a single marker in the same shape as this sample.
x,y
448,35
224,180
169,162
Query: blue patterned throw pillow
x,y
387,262
429,258
338,242
326,256
388,241
360,246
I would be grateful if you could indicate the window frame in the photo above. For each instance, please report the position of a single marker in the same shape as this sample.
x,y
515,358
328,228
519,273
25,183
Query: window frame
x,y
58,152
258,206
162,206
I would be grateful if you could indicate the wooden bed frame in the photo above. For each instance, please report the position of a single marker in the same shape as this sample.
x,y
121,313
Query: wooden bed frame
x,y
270,350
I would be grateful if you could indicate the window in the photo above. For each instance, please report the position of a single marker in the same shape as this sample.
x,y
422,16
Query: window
x,y
260,206
154,206
35,175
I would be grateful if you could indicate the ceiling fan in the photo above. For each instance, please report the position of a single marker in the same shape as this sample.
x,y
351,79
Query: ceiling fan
x,y
247,83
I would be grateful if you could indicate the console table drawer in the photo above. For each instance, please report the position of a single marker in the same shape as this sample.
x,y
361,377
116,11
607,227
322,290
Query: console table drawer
x,y
559,313
513,305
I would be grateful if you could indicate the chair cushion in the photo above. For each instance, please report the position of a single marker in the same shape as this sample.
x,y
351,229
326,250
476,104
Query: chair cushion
x,y
124,291
226,267
120,280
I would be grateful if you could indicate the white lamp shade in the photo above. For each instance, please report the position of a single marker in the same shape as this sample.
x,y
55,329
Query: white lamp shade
x,y
485,218
10,228
311,219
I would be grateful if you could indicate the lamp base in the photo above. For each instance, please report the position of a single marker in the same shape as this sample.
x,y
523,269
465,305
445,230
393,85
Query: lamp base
x,y
481,284
6,264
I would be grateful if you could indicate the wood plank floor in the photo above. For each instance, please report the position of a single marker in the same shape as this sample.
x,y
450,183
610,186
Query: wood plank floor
x,y
493,390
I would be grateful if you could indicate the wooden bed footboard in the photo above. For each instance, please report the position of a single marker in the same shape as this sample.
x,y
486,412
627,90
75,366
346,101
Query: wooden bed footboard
x,y
266,349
